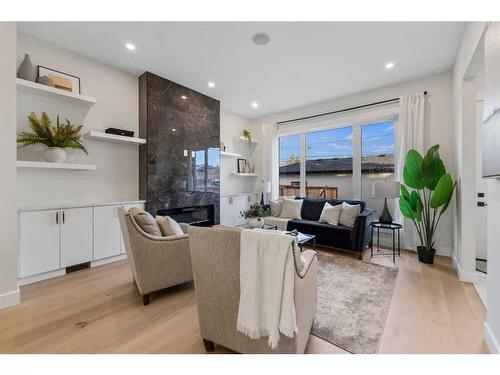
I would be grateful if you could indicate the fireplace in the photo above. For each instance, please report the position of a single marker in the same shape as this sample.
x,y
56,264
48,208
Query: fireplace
x,y
201,216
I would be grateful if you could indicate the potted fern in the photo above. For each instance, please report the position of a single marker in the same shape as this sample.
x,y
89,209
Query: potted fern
x,y
426,196
56,138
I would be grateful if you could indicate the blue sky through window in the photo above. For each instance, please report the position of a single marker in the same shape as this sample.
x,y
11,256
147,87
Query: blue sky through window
x,y
376,139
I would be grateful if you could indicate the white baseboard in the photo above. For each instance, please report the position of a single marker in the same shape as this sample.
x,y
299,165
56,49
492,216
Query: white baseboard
x,y
491,341
463,275
443,251
10,299
42,276
100,262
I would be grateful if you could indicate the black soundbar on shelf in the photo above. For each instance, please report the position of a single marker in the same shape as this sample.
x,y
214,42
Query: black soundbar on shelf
x,y
115,131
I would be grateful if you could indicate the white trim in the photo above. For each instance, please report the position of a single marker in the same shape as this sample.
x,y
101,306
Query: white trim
x,y
100,262
10,299
465,276
102,136
47,165
42,276
491,340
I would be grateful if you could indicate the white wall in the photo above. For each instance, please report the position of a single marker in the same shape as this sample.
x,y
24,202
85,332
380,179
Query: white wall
x,y
9,292
116,177
438,120
231,127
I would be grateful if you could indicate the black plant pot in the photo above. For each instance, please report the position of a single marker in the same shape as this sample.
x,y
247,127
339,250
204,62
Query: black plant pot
x,y
426,256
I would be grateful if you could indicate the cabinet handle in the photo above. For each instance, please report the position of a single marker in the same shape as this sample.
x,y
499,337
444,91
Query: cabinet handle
x,y
57,217
64,217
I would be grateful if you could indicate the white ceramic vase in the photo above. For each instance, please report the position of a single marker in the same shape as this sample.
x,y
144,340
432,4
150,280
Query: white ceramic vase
x,y
55,155
255,222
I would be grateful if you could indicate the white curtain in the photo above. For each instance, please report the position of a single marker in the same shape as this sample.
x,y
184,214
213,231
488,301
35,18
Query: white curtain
x,y
270,132
410,135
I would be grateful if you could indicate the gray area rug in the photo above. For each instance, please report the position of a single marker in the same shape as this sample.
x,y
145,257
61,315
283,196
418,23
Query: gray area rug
x,y
353,301
481,265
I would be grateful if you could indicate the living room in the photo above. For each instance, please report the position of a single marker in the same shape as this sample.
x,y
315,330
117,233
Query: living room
x,y
249,187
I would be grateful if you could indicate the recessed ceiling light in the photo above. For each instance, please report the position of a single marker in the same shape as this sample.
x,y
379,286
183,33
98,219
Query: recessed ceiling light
x,y
255,104
211,84
130,46
261,39
389,65
174,129
184,97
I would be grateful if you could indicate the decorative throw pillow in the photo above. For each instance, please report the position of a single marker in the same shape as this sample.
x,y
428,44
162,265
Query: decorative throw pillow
x,y
276,206
291,208
331,214
168,226
349,214
145,221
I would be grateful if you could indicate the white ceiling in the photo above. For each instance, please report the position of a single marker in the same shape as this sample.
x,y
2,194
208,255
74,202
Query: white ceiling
x,y
303,63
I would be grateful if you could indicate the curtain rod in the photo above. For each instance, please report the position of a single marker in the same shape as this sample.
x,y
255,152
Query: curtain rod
x,y
341,110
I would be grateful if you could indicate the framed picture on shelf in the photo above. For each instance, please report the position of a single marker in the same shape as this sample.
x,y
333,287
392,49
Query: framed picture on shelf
x,y
62,81
241,165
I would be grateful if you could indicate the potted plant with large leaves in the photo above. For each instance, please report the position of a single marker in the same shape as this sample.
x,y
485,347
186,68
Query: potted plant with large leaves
x,y
425,196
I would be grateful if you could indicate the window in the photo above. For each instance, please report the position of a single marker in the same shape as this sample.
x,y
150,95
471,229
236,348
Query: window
x,y
329,163
289,165
339,160
377,159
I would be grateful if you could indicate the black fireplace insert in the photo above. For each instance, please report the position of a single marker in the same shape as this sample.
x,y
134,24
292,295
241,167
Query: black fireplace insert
x,y
201,216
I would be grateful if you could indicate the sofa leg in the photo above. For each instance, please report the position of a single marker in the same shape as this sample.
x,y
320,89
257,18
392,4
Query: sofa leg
x,y
360,255
209,345
146,299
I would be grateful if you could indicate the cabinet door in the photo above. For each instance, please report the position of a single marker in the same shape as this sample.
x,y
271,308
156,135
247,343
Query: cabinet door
x,y
107,232
76,236
126,207
38,242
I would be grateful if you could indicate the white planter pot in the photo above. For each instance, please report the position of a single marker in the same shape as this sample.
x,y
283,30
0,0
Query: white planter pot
x,y
255,222
55,155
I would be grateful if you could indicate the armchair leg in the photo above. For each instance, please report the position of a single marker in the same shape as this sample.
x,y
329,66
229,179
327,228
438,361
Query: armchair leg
x,y
145,299
360,255
209,345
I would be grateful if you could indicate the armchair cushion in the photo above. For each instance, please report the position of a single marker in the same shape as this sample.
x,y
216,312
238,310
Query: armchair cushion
x,y
145,221
168,226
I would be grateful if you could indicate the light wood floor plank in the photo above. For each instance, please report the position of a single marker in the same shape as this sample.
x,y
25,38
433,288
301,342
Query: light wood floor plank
x,y
100,311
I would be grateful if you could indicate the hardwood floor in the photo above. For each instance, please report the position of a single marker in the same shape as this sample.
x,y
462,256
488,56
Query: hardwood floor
x,y
100,311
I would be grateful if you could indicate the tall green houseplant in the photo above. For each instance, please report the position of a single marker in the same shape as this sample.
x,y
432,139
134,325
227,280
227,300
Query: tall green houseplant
x,y
425,196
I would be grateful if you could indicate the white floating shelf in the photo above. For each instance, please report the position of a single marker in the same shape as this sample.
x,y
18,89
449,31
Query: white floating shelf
x,y
243,139
101,136
47,91
244,174
47,165
230,154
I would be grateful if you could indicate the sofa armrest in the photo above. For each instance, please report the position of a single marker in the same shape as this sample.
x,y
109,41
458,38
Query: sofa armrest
x,y
362,229
184,227
308,257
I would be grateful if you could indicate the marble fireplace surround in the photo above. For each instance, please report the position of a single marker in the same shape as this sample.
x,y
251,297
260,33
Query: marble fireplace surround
x,y
179,164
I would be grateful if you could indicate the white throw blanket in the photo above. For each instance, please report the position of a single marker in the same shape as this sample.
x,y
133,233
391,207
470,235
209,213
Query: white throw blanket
x,y
267,272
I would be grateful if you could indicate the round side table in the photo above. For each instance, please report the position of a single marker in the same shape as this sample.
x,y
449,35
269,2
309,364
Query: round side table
x,y
395,228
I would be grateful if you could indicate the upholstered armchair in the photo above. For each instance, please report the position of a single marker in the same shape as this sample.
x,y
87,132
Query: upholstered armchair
x,y
156,262
215,255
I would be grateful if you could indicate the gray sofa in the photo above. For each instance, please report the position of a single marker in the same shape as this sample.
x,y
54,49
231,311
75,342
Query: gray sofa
x,y
215,256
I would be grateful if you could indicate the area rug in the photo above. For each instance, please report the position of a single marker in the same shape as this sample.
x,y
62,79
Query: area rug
x,y
353,301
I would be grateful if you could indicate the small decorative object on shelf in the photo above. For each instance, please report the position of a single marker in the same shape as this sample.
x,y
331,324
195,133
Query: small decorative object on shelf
x,y
247,135
124,132
63,81
255,215
241,165
44,80
432,190
247,168
26,70
56,138
222,146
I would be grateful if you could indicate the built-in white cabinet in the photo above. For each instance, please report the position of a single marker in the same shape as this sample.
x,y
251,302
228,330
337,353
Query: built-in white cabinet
x,y
231,207
38,242
107,232
52,239
76,235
